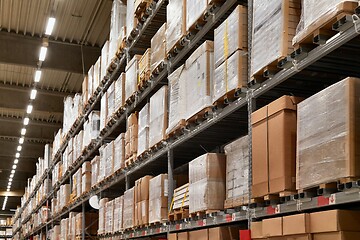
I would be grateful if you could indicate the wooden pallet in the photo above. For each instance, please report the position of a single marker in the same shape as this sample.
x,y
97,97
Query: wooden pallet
x,y
157,223
325,27
202,214
229,97
177,130
178,46
121,48
143,154
141,11
268,71
131,99
144,80
131,160
236,202
199,116
270,198
179,214
158,68
157,146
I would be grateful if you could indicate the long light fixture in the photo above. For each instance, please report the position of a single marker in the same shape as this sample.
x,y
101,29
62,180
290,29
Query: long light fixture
x,y
26,121
14,166
16,161
29,109
33,94
23,131
37,76
42,54
50,26
19,148
17,155
21,140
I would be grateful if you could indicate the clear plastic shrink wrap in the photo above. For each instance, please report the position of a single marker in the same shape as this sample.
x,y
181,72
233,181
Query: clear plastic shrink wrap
x,y
95,170
90,87
118,213
230,75
158,116
158,198
130,18
273,30
177,97
132,75
109,217
315,14
231,35
237,170
143,128
117,21
119,152
91,128
207,182
144,64
128,212
109,159
158,47
103,110
175,22
110,101
104,60
327,149
102,215
85,90
200,65
119,91
195,9
96,79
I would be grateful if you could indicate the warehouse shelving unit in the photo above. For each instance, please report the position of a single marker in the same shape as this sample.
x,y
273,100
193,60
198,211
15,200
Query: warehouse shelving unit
x,y
2,227
331,62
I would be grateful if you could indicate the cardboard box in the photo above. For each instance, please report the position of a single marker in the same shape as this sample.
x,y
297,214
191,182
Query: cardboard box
x,y
143,129
175,22
158,121
223,233
195,10
158,198
296,224
272,227
120,91
85,91
337,236
142,188
172,236
132,76
183,236
256,230
299,237
144,64
274,147
202,234
331,146
158,47
334,220
129,209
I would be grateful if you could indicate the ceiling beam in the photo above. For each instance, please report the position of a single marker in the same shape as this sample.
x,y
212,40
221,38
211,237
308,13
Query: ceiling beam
x,y
13,193
35,122
26,140
24,50
27,88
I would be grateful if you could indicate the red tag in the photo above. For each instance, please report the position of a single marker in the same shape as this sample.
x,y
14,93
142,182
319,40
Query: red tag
x,y
143,233
157,230
322,201
228,218
245,234
270,210
177,226
200,223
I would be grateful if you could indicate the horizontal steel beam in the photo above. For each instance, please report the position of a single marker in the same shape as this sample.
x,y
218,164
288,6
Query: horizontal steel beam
x,y
34,122
24,50
27,88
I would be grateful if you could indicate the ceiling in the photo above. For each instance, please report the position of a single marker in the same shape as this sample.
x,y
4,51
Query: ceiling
x,y
81,28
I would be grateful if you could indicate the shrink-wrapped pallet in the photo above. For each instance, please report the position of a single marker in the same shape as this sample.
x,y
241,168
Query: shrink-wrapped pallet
x,y
85,90
117,21
64,224
130,18
131,136
91,223
144,66
199,87
237,172
91,128
177,98
95,170
104,60
96,76
57,142
102,163
143,128
90,87
158,47
158,116
207,182
141,195
230,75
119,152
132,75
109,217
231,35
118,213
316,14
65,195
79,139
195,10
109,159
102,215
120,91
175,22
274,26
327,146
103,110
86,176
158,199
110,102
76,184
128,212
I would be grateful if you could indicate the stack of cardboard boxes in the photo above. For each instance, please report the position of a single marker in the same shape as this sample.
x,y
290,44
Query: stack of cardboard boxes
x,y
141,192
158,199
217,233
131,137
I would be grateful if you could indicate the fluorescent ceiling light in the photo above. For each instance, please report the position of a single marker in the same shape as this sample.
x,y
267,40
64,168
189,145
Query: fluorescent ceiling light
x,y
12,175
19,148
21,140
26,121
10,179
29,109
37,76
50,26
14,166
17,155
12,171
42,54
33,94
23,131
16,161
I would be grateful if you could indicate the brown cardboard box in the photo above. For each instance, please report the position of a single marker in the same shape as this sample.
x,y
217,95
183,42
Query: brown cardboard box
x,y
256,230
172,236
274,147
334,220
85,90
158,47
142,188
337,236
224,233
272,227
144,63
132,120
296,224
202,234
183,236
299,237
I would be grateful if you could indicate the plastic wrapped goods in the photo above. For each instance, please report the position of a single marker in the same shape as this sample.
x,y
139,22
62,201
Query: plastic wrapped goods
x,y
131,21
119,92
109,217
129,208
195,10
91,223
207,182
158,199
64,224
158,47
132,75
316,14
95,170
117,21
119,152
199,87
90,87
103,110
118,213
110,101
177,97
104,60
158,116
96,79
102,215
86,176
230,75
273,30
237,172
131,136
85,90
175,22
327,148
143,128
144,66
231,35
109,159
91,128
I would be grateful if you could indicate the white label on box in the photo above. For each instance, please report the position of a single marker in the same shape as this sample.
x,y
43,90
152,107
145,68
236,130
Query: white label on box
x,y
332,199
